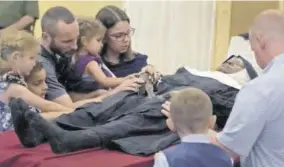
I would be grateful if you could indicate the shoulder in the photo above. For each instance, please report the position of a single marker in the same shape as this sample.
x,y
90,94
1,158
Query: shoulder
x,y
140,60
172,150
140,56
86,58
16,88
85,62
47,64
266,85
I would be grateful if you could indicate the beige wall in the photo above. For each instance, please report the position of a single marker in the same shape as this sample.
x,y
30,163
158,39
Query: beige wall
x,y
84,8
232,18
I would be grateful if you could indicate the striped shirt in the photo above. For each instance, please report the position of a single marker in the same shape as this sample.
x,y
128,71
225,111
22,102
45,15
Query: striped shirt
x,y
254,129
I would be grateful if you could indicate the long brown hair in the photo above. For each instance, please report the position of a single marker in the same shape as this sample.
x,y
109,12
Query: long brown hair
x,y
109,16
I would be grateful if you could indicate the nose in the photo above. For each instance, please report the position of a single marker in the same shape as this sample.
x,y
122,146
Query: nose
x,y
74,45
127,38
45,87
34,63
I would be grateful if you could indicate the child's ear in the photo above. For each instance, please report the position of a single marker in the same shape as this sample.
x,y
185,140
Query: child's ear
x,y
84,41
212,121
15,56
171,125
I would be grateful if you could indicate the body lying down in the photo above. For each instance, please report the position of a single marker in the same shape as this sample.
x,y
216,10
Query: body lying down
x,y
126,121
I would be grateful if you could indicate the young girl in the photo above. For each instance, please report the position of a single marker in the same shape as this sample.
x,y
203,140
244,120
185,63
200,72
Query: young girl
x,y
89,64
18,54
36,80
117,52
37,85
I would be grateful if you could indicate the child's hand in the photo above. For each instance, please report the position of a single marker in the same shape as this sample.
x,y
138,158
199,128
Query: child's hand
x,y
131,84
166,112
166,109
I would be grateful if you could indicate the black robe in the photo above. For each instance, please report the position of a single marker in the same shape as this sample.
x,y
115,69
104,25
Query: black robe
x,y
134,123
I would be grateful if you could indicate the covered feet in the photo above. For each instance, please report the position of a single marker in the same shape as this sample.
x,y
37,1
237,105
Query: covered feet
x,y
28,136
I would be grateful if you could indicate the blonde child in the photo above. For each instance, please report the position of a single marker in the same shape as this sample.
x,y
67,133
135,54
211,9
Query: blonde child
x,y
190,116
18,55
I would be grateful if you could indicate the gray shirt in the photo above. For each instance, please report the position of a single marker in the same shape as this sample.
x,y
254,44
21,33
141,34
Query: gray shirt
x,y
55,89
254,129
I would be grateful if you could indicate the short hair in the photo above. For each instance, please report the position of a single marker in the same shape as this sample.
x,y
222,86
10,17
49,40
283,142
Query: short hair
x,y
270,23
190,110
38,67
89,28
52,16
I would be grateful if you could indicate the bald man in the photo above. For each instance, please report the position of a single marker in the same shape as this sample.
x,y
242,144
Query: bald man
x,y
254,130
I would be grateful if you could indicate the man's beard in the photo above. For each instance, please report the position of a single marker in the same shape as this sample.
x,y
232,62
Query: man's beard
x,y
57,51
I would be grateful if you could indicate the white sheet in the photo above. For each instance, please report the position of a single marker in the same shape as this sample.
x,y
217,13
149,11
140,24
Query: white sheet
x,y
219,76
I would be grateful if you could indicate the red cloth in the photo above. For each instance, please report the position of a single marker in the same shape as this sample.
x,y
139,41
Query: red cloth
x,y
12,154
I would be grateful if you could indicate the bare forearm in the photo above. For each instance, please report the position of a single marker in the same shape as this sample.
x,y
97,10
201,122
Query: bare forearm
x,y
109,82
22,23
54,108
82,96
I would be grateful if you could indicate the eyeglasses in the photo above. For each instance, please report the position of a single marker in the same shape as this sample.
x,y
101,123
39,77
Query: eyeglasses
x,y
121,35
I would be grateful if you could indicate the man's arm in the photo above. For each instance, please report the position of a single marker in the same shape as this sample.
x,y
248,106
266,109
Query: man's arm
x,y
245,123
31,14
213,136
56,91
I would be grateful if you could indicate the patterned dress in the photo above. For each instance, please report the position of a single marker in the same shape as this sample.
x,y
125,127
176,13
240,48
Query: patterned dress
x,y
5,113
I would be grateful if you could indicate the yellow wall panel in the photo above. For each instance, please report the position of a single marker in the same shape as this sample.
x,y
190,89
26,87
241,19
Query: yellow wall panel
x,y
233,18
222,32
244,12
80,8
281,5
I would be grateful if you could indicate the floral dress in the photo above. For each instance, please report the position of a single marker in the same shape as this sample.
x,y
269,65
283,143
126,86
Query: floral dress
x,y
5,113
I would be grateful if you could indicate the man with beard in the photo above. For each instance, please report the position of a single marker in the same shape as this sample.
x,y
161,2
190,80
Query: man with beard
x,y
59,43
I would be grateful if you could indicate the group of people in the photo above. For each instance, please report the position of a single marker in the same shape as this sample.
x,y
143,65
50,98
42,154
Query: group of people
x,y
63,40
96,53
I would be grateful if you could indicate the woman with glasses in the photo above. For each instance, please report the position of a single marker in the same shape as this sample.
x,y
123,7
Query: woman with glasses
x,y
117,52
